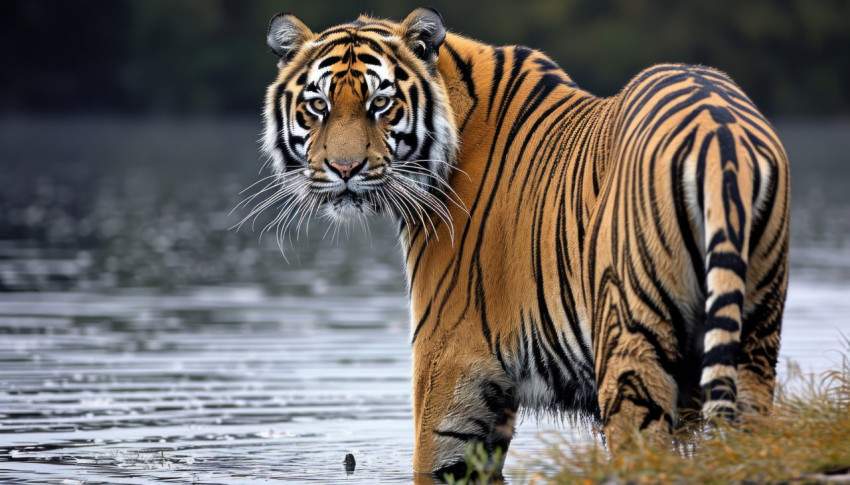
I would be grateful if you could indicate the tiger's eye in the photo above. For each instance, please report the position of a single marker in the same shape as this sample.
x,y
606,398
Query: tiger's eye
x,y
380,101
319,104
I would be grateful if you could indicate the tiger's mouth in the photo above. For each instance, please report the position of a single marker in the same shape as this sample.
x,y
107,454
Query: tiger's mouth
x,y
347,197
347,203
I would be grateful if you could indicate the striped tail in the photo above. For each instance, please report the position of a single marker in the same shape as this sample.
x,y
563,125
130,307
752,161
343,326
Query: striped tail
x,y
727,170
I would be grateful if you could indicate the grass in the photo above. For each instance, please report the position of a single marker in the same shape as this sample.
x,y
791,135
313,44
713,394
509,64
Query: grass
x,y
806,439
479,466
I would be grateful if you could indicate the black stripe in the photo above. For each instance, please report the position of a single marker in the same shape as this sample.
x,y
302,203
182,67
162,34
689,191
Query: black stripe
x,y
722,354
400,74
498,72
520,54
461,436
764,216
499,355
376,30
700,172
682,219
721,323
421,322
731,261
718,238
639,182
778,263
720,388
368,59
329,61
536,353
419,255
731,191
735,297
465,69
482,305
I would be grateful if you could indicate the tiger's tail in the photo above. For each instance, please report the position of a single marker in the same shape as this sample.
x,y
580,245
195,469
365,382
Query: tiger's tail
x,y
724,162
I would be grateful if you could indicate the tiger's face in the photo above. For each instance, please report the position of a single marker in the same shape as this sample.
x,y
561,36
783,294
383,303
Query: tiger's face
x,y
358,120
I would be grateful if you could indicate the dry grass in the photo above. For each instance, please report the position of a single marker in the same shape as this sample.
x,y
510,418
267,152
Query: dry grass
x,y
805,440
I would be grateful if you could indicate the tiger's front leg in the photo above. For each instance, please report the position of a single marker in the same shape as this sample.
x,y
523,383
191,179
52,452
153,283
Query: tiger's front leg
x,y
462,396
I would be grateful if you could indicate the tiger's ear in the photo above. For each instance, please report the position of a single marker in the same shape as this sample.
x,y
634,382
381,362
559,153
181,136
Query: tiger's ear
x,y
286,35
424,32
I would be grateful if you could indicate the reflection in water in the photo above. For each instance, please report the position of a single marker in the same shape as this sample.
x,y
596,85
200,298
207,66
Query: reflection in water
x,y
143,341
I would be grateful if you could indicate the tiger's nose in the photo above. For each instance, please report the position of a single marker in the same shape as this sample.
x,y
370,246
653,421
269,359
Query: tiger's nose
x,y
346,168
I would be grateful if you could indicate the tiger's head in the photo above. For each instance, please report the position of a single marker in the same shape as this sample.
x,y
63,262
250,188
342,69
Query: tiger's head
x,y
358,120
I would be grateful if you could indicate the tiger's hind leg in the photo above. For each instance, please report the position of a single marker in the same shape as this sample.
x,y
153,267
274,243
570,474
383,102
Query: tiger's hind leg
x,y
636,389
758,355
767,282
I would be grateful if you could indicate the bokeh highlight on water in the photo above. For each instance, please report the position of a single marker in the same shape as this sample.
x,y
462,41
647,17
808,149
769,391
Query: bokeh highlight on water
x,y
141,340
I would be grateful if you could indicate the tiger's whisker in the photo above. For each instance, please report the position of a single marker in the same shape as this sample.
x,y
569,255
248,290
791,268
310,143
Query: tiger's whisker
x,y
457,202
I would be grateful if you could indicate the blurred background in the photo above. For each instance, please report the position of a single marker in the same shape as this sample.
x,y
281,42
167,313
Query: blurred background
x,y
204,58
142,339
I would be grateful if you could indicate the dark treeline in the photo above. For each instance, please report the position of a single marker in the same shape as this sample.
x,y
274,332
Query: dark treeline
x,y
190,56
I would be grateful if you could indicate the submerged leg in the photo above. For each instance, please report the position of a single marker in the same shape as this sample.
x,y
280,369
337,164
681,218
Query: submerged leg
x,y
459,400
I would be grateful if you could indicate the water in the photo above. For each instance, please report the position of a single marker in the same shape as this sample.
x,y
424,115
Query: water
x,y
141,341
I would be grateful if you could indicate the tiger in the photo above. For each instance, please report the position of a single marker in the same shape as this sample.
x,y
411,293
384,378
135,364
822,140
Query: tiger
x,y
620,259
